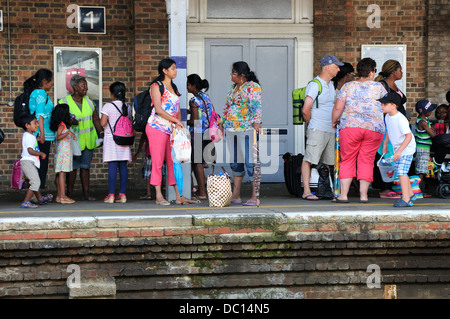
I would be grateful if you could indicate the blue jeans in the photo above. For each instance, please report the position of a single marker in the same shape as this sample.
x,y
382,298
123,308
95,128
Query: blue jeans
x,y
239,143
112,176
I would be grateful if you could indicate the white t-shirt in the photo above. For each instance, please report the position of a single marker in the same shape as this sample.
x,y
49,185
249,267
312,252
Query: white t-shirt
x,y
321,116
397,126
29,141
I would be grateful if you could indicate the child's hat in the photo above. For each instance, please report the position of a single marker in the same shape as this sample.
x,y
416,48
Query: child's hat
x,y
392,97
425,106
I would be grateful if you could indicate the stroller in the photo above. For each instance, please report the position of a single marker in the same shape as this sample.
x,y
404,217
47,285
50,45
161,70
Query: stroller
x,y
441,151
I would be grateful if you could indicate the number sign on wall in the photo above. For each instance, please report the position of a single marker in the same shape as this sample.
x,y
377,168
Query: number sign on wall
x,y
91,19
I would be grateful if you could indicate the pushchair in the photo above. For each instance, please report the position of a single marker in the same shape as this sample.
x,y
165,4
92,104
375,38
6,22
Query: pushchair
x,y
440,151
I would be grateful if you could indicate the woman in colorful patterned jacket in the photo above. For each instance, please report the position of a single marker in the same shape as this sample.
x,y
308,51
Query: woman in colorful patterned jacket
x,y
242,115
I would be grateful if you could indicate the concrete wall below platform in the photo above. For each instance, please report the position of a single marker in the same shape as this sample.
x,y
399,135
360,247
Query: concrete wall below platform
x,y
252,255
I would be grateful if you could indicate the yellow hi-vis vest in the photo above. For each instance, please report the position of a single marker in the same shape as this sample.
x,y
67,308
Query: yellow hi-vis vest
x,y
87,135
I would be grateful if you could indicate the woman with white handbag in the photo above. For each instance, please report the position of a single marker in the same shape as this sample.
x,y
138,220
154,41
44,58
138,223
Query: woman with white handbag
x,y
166,111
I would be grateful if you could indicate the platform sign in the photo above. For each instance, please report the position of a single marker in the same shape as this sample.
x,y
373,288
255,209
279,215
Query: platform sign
x,y
91,20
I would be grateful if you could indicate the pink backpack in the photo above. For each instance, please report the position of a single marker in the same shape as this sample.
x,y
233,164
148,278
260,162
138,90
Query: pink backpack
x,y
215,134
123,133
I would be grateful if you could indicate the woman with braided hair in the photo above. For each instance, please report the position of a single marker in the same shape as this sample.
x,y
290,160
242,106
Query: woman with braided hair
x,y
391,72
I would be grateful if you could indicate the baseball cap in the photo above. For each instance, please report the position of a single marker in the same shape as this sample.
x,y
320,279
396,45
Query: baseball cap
x,y
392,97
330,59
425,106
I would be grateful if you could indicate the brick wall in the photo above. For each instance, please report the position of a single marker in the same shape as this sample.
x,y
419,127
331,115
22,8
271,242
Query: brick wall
x,y
136,39
438,50
255,255
340,28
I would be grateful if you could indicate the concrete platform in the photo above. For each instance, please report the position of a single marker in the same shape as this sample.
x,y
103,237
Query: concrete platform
x,y
274,199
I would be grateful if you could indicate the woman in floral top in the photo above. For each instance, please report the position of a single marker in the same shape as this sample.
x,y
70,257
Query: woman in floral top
x,y
361,128
242,115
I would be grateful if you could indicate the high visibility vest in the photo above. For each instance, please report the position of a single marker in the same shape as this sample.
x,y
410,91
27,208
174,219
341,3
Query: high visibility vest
x,y
87,135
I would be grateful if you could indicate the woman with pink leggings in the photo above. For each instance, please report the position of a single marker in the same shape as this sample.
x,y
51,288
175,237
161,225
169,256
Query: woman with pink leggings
x,y
165,114
361,124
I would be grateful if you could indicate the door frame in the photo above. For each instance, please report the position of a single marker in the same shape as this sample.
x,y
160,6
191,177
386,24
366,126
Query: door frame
x,y
302,34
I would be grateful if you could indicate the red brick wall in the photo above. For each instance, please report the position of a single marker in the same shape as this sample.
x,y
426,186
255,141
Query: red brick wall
x,y
438,50
340,28
136,39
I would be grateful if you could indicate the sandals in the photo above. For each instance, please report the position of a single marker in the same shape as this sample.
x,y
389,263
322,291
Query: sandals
x,y
28,205
163,203
66,200
402,203
47,199
146,197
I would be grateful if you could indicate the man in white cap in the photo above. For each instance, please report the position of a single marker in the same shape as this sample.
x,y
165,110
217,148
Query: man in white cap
x,y
320,135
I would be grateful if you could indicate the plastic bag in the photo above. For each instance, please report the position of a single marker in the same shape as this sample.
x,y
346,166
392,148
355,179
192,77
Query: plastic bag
x,y
76,149
387,170
181,145
17,177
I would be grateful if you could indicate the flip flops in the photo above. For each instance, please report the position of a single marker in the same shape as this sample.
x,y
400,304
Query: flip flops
x,y
163,203
308,197
340,201
250,203
390,195
146,197
236,201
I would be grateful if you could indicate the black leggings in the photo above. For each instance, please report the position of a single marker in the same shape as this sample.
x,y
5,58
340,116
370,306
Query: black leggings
x,y
45,148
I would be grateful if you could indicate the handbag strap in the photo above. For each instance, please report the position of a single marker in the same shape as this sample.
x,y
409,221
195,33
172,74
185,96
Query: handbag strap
x,y
224,170
206,107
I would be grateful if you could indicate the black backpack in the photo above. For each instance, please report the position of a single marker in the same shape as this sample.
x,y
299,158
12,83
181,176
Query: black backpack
x,y
143,107
21,107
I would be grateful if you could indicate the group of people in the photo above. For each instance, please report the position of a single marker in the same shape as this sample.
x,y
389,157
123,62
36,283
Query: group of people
x,y
335,101
73,120
75,126
371,119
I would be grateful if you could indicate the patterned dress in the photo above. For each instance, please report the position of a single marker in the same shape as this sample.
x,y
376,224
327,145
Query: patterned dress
x,y
63,153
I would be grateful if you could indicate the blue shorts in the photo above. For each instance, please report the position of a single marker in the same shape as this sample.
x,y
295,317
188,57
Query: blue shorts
x,y
402,166
83,161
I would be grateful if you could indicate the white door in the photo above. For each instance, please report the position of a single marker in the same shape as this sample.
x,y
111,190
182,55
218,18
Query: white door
x,y
273,62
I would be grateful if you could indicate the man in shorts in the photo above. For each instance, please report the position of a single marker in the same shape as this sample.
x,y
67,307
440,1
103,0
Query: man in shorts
x,y
320,135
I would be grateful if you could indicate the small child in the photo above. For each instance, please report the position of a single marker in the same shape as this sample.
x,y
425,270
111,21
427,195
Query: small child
x,y
441,114
60,123
424,133
400,136
30,162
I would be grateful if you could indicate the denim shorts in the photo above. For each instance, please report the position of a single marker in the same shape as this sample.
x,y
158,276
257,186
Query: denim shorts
x,y
83,161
